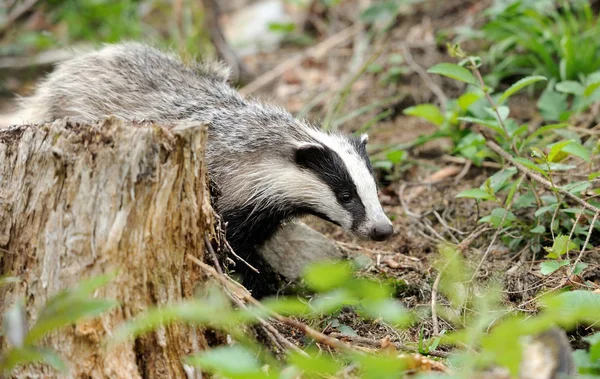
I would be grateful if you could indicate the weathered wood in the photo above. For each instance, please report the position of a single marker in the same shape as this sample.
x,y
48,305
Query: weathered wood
x,y
77,201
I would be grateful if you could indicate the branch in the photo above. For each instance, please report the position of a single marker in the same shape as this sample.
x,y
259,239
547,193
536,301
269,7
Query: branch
x,y
538,178
241,73
241,291
16,15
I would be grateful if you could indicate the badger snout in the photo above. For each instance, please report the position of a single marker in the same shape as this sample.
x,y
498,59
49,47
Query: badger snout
x,y
382,231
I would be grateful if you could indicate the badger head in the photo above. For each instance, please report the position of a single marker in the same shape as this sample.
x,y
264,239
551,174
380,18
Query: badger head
x,y
347,192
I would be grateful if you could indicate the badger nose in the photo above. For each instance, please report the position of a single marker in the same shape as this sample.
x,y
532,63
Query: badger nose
x,y
382,232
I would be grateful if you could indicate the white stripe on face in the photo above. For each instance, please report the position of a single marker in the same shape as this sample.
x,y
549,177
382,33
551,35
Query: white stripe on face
x,y
362,178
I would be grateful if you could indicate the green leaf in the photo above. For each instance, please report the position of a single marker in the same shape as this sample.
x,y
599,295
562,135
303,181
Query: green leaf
x,y
29,354
455,72
561,245
380,11
428,112
540,229
530,165
571,87
518,86
465,100
287,306
552,105
324,277
579,267
282,27
556,149
575,148
594,341
476,193
390,310
193,311
396,156
544,129
321,364
548,267
591,88
500,179
497,215
75,310
333,301
577,187
492,124
545,209
229,361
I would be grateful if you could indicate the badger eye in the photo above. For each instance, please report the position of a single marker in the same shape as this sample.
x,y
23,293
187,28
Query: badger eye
x,y
345,197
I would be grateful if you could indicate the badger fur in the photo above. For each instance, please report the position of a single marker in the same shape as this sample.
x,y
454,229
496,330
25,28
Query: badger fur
x,y
268,166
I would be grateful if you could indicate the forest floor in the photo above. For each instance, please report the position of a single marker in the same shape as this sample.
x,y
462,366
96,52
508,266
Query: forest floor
x,y
419,197
419,194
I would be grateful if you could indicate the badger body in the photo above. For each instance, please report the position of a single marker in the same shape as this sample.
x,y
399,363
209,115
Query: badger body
x,y
268,166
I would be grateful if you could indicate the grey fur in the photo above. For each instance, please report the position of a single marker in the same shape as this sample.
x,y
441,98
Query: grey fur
x,y
251,146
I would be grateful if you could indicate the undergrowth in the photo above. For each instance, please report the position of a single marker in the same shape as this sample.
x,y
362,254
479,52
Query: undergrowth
x,y
543,200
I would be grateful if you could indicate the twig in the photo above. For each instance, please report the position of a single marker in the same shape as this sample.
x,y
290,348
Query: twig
x,y
448,228
240,71
492,103
587,239
459,160
572,229
536,177
434,317
489,248
443,99
229,283
341,96
240,258
375,343
438,175
290,63
213,255
374,251
280,341
16,15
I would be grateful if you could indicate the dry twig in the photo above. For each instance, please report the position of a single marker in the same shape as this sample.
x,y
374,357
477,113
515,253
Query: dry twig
x,y
537,177
243,293
587,239
278,340
379,343
443,99
15,15
240,71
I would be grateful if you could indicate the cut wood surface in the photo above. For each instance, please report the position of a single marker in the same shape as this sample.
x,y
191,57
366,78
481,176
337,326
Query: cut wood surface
x,y
78,201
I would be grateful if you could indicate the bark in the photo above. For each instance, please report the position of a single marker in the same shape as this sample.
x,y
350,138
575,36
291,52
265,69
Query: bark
x,y
77,201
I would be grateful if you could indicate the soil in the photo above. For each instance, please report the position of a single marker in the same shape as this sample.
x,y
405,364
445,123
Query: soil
x,y
435,215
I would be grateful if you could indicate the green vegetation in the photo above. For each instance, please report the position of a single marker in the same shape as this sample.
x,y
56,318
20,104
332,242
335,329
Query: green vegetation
x,y
63,309
544,53
72,22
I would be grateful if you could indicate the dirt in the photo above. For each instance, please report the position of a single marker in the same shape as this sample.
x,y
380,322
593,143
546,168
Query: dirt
x,y
409,256
424,214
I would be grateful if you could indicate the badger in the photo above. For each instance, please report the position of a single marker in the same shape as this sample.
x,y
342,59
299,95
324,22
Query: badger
x,y
269,167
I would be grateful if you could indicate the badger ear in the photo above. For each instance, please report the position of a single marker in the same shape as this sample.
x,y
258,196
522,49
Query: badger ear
x,y
364,138
308,152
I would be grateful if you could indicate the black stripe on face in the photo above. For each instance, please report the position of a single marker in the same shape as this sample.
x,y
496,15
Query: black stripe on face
x,y
360,146
330,168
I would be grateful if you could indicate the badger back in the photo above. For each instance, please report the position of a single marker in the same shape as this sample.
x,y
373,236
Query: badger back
x,y
132,81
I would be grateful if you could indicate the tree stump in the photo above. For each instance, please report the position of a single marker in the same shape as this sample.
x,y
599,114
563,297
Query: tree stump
x,y
77,201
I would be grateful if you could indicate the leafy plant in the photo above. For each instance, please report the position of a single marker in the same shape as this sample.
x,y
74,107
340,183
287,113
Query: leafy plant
x,y
556,39
65,308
